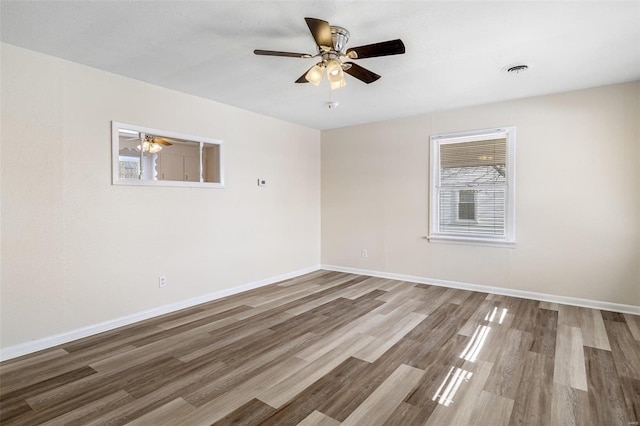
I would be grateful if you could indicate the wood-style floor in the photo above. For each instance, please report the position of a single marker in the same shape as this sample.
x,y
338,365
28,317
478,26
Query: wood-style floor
x,y
329,348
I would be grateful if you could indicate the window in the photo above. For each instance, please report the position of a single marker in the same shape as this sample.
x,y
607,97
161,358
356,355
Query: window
x,y
145,156
129,167
467,204
472,187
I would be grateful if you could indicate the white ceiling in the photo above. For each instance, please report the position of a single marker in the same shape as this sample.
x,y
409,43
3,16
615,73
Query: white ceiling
x,y
455,50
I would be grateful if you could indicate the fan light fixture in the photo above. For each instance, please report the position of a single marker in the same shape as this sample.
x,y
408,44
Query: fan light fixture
x,y
335,75
151,147
333,68
314,75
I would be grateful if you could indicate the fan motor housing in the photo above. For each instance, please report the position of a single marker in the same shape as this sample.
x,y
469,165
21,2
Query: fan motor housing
x,y
340,37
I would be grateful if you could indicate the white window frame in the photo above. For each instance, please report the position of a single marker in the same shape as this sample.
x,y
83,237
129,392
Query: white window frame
x,y
435,235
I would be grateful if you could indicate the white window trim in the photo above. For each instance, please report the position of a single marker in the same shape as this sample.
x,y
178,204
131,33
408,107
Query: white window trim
x,y
509,239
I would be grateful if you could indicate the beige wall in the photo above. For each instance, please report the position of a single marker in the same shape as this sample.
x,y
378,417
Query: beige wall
x,y
577,196
77,251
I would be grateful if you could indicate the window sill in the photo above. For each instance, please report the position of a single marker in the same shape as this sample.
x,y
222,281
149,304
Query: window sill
x,y
471,241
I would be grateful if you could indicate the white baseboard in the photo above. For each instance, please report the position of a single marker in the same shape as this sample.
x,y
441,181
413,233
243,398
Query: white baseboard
x,y
574,301
58,339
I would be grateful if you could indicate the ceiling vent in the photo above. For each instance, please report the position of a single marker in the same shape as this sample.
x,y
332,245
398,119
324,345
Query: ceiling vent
x,y
516,69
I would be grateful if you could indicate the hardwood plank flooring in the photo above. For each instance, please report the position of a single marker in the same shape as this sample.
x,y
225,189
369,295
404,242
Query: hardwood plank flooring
x,y
569,366
318,419
379,406
331,348
532,403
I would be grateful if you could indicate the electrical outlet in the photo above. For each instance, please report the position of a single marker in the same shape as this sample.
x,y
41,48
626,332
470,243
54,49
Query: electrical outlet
x,y
364,253
162,281
262,182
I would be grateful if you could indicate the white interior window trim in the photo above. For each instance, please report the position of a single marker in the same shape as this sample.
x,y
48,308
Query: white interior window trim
x,y
437,232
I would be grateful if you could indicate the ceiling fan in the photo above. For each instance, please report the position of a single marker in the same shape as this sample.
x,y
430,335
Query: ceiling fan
x,y
151,143
154,144
331,41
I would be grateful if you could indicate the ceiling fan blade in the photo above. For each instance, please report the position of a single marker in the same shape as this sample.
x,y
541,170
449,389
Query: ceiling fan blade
x,y
161,141
361,73
385,48
276,53
321,32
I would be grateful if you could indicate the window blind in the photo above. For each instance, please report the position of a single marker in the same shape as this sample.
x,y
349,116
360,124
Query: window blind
x,y
473,187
